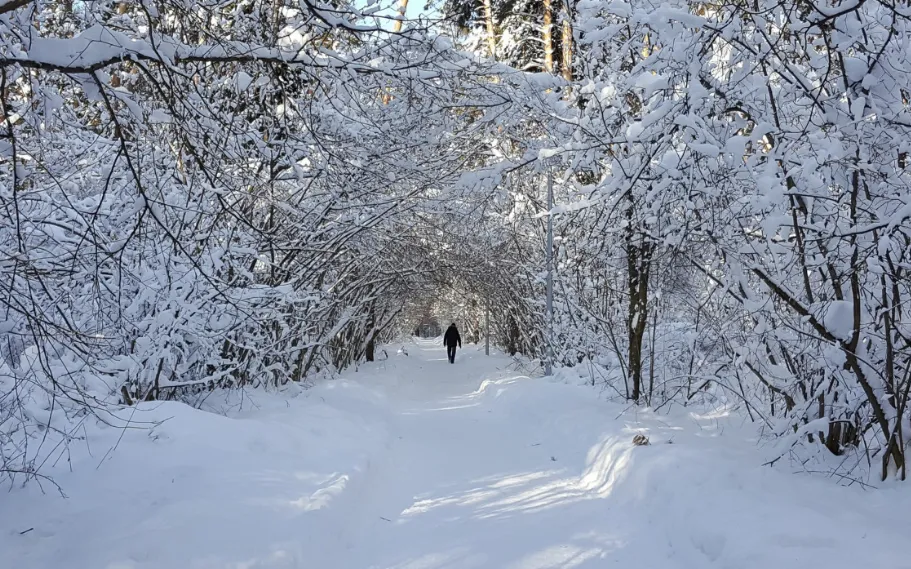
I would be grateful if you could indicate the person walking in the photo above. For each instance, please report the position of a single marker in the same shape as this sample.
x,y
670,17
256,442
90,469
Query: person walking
x,y
450,339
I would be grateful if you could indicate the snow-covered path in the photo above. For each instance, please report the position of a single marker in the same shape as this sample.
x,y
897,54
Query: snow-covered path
x,y
476,476
419,464
488,468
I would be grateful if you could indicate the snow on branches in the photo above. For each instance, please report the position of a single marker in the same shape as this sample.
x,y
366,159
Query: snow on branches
x,y
198,196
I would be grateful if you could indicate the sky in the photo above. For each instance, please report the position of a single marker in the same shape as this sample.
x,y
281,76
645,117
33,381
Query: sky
x,y
415,9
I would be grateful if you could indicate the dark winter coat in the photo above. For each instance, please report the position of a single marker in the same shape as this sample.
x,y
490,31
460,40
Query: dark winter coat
x,y
451,338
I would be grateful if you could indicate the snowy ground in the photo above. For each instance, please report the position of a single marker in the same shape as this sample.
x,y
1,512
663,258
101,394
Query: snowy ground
x,y
418,464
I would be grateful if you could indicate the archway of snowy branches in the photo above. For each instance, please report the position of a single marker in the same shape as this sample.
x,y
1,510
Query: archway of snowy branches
x,y
232,194
187,213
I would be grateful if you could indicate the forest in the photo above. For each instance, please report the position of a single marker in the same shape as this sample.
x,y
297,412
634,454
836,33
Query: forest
x,y
205,195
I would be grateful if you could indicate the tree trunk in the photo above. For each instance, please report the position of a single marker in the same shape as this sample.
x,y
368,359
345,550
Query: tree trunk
x,y
491,36
276,20
567,43
547,33
371,331
638,259
512,336
403,7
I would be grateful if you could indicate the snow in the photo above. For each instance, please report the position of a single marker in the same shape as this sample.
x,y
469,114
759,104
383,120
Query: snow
x,y
839,319
634,130
160,116
94,45
242,81
704,148
413,463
